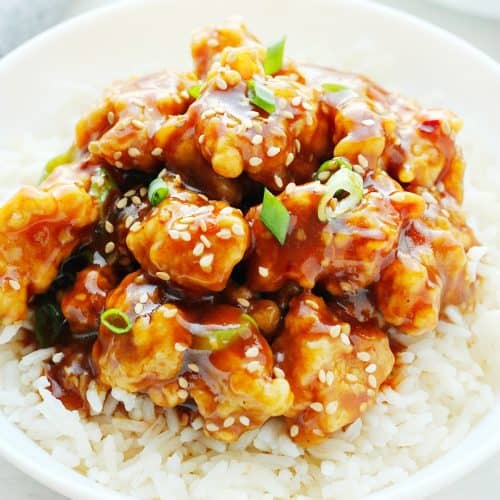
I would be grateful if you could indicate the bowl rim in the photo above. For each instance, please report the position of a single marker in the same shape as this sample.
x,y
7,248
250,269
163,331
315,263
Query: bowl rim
x,y
433,480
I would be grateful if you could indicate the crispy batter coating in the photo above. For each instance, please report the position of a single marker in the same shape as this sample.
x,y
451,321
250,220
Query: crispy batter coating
x,y
39,228
121,129
150,356
334,369
234,387
345,254
84,302
190,240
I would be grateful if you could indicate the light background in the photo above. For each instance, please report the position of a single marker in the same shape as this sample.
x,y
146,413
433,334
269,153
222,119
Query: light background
x,y
482,484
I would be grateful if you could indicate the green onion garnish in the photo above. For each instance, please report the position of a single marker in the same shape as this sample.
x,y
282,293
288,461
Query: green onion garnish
x,y
116,321
101,187
261,96
275,216
49,322
158,191
62,159
347,187
274,57
334,87
328,167
214,340
195,91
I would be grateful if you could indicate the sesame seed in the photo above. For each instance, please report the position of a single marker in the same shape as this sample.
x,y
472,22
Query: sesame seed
x,y
110,246
294,430
170,312
138,308
278,181
118,164
185,236
244,420
135,227
228,422
255,161
368,122
111,118
345,339
208,114
322,376
263,271
198,249
252,352
224,211
133,152
273,151
278,372
163,275
317,432
329,378
15,285
203,225
157,152
243,302
206,261
363,356
174,234
253,366
220,83
289,159
109,227
194,367
257,139
117,155
201,139
237,230
280,357
205,241
312,304
138,124
183,382
351,377
224,234
136,200
57,357
331,407
362,160
309,120
121,203
287,114
182,393
316,406
129,221
180,347
130,193
372,381
371,368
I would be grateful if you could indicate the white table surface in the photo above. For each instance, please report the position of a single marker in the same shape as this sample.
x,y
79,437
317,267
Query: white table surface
x,y
481,484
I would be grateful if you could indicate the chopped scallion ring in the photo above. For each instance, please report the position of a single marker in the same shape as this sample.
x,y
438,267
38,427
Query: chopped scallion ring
x,y
195,91
328,167
67,157
334,87
343,181
274,57
261,96
116,321
275,216
158,191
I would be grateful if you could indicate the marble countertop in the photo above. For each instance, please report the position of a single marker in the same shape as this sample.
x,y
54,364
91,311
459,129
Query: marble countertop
x,y
481,484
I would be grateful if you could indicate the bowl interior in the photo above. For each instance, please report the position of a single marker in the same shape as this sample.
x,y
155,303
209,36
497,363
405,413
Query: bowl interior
x,y
40,80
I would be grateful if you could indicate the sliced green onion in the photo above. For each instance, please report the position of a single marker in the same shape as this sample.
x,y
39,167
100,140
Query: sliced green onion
x,y
334,87
101,187
275,216
195,91
274,57
214,340
343,182
261,96
70,267
49,321
62,159
328,167
116,321
158,191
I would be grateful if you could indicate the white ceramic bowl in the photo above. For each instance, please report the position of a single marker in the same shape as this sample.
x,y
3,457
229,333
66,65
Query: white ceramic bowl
x,y
399,51
484,8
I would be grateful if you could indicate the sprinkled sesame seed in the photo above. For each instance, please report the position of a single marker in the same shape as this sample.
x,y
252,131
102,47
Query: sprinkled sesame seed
x,y
110,246
294,430
182,393
180,347
118,164
244,420
243,302
136,200
289,159
252,352
345,339
331,407
163,275
138,308
257,139
372,381
322,376
273,151
263,271
212,427
109,227
224,211
117,155
57,357
129,221
15,285
363,356
363,161
133,152
287,114
183,382
198,249
157,152
111,118
174,234
138,124
170,312
371,368
280,357
135,227
298,145
278,372
203,225
201,139
312,304
278,181
194,367
237,230
329,378
253,366
205,241
185,236
351,377
206,261
255,161
208,114
221,83
228,422
121,203
224,234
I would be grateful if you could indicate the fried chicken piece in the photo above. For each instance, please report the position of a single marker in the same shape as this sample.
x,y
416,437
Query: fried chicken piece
x,y
345,254
121,129
191,240
84,302
233,385
334,369
429,271
150,356
39,229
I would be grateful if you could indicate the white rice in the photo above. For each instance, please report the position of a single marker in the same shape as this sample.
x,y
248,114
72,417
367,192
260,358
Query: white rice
x,y
448,385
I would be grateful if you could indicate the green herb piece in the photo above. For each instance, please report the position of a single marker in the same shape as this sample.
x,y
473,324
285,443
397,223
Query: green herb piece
x,y
62,159
116,321
195,91
101,187
49,322
275,216
328,167
158,191
261,96
274,57
334,87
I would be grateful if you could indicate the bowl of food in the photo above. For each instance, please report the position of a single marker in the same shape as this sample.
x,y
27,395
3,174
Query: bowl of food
x,y
253,271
